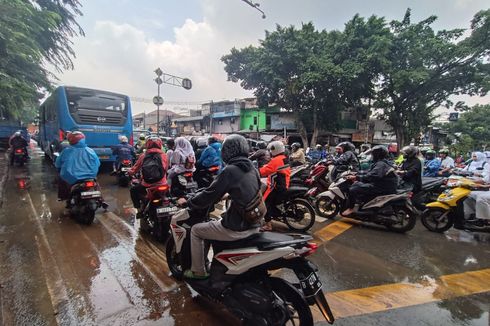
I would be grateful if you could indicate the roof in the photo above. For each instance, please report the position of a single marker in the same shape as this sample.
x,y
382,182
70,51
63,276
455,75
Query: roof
x,y
183,119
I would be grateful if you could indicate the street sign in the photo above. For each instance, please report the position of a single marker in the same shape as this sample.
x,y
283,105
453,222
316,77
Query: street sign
x,y
157,100
186,83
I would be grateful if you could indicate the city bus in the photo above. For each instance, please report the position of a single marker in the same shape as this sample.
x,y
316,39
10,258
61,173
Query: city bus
x,y
102,116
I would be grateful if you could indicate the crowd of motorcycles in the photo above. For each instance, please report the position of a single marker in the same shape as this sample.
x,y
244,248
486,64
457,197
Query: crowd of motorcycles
x,y
239,271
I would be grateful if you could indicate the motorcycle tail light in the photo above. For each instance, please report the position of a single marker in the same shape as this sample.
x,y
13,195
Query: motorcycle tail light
x,y
162,188
156,201
188,174
61,135
22,184
126,162
18,150
312,248
213,169
89,184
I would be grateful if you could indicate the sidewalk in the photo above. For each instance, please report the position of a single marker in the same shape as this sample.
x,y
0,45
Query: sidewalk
x,y
4,172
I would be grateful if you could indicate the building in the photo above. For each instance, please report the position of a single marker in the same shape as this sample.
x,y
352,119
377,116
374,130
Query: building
x,y
198,123
148,121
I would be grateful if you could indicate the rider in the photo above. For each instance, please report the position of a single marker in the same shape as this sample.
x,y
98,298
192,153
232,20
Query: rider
x,y
316,154
297,156
477,204
201,144
379,180
262,155
17,141
123,151
411,168
183,159
478,163
432,164
140,144
278,174
170,150
345,160
241,181
447,163
76,163
211,156
153,149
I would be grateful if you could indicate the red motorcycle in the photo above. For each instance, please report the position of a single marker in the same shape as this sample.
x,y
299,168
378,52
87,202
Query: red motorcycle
x,y
318,181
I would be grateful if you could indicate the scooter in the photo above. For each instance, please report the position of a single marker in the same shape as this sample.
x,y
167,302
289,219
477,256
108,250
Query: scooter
x,y
395,212
318,181
206,176
240,276
20,156
122,173
448,210
183,184
85,199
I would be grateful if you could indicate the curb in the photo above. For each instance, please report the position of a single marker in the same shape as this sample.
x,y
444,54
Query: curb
x,y
5,170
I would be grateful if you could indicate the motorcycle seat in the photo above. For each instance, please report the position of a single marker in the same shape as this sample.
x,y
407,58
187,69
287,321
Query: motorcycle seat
x,y
296,191
429,182
262,240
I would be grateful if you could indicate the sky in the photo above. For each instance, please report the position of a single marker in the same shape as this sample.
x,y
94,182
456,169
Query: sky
x,y
126,40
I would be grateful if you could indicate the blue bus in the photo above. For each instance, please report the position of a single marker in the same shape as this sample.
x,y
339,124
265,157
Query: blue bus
x,y
102,116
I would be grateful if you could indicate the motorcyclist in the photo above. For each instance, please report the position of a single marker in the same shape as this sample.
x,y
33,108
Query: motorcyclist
x,y
431,164
278,175
241,181
380,180
411,169
345,159
261,155
201,144
170,150
447,163
297,157
477,164
17,141
365,157
211,156
138,191
477,204
123,151
76,163
183,159
140,144
316,154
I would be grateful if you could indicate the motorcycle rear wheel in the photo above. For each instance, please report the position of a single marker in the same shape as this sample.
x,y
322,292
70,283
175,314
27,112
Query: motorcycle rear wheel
x,y
87,217
296,214
327,207
173,260
431,219
300,313
407,220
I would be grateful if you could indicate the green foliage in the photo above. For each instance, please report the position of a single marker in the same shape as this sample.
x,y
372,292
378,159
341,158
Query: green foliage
x,y
33,33
472,130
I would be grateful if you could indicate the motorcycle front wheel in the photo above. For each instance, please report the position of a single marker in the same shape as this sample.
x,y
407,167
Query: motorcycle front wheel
x,y
299,215
297,307
327,207
173,260
405,220
437,219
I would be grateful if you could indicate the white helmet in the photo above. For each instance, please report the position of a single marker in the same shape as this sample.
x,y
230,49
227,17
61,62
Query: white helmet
x,y
276,148
202,142
142,136
123,139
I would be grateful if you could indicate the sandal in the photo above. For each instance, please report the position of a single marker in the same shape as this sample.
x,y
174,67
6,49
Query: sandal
x,y
190,274
267,227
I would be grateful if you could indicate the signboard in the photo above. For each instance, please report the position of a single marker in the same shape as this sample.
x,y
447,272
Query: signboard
x,y
281,121
157,100
361,137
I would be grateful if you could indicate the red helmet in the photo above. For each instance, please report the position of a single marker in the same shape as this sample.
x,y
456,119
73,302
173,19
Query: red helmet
x,y
154,142
75,137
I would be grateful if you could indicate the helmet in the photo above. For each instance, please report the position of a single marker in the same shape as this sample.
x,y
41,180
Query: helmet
x,y
201,142
262,145
75,136
234,146
154,142
409,151
170,143
424,150
430,154
212,140
318,147
295,146
379,152
276,148
347,146
142,136
444,151
123,139
18,133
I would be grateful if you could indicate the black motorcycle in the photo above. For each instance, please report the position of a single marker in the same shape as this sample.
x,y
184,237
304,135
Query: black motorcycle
x,y
19,156
205,176
240,276
122,173
85,199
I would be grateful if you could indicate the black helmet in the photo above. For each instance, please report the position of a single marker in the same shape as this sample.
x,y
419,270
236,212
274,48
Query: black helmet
x,y
409,151
295,146
347,146
212,140
379,152
262,145
234,146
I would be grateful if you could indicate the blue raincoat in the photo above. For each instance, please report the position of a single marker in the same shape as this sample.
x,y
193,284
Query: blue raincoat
x,y
431,168
78,162
211,156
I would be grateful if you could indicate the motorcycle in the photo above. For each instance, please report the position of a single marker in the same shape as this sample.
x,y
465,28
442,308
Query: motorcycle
x,y
299,174
395,212
157,212
122,173
448,210
239,274
319,180
183,184
85,199
206,176
431,189
20,156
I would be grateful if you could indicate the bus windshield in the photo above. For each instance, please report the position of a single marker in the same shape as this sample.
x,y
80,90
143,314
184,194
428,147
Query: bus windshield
x,y
89,106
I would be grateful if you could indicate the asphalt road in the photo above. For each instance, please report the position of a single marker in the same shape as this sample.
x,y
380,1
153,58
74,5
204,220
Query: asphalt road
x,y
54,271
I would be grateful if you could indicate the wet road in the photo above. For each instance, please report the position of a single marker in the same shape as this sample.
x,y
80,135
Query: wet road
x,y
54,271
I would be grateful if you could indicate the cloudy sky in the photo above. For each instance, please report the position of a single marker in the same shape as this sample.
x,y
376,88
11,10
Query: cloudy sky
x,y
127,39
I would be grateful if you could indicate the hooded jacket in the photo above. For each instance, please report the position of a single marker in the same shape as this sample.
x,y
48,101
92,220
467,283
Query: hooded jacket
x,y
382,176
78,162
241,181
211,156
413,175
123,151
278,174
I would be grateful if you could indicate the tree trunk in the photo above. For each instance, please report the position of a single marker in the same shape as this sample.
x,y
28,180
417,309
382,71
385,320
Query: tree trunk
x,y
400,138
302,131
315,129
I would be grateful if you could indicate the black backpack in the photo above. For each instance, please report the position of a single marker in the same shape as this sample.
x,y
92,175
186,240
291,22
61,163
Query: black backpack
x,y
152,169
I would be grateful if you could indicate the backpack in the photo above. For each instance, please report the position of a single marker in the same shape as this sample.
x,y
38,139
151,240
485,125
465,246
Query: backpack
x,y
255,210
152,168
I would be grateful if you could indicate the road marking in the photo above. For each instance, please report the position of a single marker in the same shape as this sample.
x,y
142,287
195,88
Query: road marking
x,y
399,295
332,230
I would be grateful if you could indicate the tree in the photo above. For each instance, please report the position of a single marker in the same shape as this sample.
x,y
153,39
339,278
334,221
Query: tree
x,y
472,130
424,68
33,33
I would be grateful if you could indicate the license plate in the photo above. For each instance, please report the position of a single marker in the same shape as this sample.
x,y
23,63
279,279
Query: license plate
x,y
19,154
90,194
311,285
125,169
191,185
165,210
104,157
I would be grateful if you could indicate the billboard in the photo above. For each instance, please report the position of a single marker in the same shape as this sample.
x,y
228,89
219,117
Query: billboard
x,y
281,121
